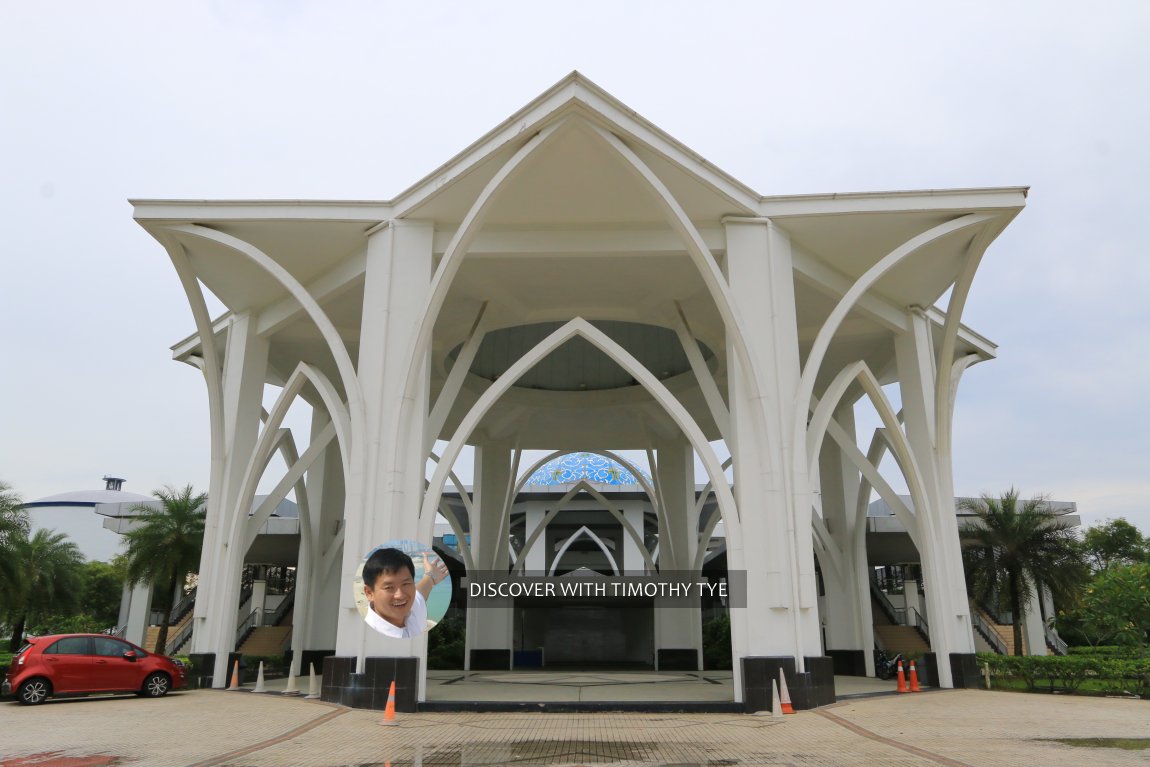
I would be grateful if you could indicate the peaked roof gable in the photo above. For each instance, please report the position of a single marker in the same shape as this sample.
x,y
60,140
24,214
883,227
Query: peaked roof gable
x,y
677,166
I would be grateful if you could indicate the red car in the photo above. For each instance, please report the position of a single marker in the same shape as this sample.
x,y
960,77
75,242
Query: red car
x,y
83,664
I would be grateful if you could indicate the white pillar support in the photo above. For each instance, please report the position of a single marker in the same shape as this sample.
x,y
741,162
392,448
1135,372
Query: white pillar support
x,y
771,482
382,502
491,628
847,619
677,628
244,374
939,546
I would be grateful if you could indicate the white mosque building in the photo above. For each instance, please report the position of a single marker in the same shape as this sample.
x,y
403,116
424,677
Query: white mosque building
x,y
577,281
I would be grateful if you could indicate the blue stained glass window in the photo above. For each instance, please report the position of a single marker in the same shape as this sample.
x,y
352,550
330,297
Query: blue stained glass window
x,y
592,467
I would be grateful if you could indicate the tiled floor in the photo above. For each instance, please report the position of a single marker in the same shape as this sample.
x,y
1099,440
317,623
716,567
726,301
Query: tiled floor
x,y
211,728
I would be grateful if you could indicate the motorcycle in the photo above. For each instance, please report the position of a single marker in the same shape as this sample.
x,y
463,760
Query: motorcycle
x,y
884,667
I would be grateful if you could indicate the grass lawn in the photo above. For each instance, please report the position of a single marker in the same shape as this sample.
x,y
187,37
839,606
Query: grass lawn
x,y
1088,686
1126,744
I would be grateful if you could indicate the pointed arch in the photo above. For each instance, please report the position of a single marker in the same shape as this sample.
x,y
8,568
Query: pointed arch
x,y
265,445
581,327
300,293
860,371
858,289
586,532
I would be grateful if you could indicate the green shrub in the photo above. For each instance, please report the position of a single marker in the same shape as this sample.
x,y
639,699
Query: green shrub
x,y
1107,674
1100,650
446,643
717,644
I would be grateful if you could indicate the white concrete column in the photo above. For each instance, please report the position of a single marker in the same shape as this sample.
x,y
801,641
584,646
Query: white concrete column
x,y
1034,634
491,628
139,610
847,615
214,615
940,550
537,555
259,597
317,597
387,463
771,484
677,628
633,561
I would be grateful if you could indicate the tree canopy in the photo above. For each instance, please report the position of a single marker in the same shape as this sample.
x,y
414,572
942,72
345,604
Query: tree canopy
x,y
48,579
1115,542
1016,546
164,546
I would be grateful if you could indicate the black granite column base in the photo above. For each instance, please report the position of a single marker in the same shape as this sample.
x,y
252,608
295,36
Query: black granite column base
x,y
848,662
674,659
341,683
202,670
964,670
309,659
490,660
927,669
810,689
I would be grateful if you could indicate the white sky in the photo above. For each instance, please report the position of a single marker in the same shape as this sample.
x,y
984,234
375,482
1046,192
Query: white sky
x,y
224,99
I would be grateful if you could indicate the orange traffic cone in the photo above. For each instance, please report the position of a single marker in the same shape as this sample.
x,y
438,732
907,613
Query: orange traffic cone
x,y
901,679
786,702
914,679
389,711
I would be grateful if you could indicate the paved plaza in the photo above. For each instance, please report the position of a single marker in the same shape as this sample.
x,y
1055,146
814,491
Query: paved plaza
x,y
209,728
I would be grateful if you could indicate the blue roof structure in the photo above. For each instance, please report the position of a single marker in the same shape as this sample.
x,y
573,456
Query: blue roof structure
x,y
592,467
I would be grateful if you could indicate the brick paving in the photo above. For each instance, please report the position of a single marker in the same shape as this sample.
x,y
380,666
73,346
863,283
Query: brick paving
x,y
217,729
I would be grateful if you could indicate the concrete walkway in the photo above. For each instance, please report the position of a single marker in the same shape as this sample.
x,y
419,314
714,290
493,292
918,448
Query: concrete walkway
x,y
592,687
210,728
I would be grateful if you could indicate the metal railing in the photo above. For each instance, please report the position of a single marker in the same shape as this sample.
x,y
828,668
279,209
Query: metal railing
x,y
896,615
274,617
180,639
987,632
1055,642
916,619
181,608
245,629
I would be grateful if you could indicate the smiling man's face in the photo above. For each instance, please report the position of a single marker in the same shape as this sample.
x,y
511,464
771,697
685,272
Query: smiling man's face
x,y
393,596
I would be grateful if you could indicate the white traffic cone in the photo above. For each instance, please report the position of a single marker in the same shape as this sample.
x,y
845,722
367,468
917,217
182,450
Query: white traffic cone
x,y
313,690
292,684
260,679
776,704
786,694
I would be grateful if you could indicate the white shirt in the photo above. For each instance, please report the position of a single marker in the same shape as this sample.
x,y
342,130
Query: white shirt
x,y
412,627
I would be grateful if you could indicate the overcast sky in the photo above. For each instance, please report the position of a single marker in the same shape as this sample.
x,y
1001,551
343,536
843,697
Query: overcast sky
x,y
223,99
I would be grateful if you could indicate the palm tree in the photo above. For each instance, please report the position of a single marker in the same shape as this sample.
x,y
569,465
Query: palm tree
x,y
48,576
1014,547
13,525
164,546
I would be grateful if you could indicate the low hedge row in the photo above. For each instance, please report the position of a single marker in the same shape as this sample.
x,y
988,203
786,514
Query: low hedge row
x,y
1109,675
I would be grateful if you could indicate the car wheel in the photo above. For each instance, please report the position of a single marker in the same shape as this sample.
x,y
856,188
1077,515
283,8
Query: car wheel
x,y
34,691
157,685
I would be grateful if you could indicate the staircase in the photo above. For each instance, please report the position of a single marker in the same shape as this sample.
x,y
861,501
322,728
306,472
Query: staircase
x,y
901,639
266,640
173,631
1003,631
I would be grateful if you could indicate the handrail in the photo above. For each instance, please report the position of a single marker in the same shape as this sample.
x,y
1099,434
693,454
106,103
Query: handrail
x,y
181,608
919,622
180,639
896,615
245,629
1055,642
988,633
277,615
